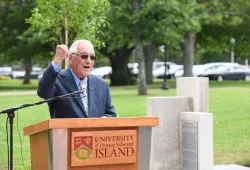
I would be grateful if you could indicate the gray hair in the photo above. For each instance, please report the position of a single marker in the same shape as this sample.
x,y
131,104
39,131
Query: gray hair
x,y
73,47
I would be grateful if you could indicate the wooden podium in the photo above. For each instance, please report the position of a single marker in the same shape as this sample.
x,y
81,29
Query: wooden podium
x,y
91,144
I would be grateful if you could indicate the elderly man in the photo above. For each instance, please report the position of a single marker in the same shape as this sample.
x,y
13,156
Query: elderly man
x,y
96,100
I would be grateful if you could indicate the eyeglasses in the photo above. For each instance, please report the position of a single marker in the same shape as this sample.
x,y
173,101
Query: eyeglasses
x,y
85,56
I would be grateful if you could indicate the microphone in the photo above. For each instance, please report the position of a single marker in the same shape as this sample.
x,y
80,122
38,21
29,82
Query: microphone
x,y
43,101
11,115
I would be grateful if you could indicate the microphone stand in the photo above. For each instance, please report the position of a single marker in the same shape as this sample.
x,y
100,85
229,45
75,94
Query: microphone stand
x,y
11,115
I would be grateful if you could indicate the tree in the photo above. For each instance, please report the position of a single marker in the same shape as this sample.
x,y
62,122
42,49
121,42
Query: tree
x,y
118,41
154,30
119,59
142,89
30,45
159,23
213,41
205,13
73,19
19,42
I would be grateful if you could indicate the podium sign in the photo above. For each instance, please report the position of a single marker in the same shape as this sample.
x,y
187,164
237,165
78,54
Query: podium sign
x,y
103,147
91,144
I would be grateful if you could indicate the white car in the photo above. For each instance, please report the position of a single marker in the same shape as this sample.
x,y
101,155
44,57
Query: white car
x,y
102,72
5,71
196,70
230,72
36,72
159,64
133,67
204,69
18,74
159,73
210,68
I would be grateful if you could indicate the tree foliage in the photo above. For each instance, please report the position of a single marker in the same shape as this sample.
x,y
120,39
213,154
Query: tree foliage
x,y
213,42
82,19
211,23
20,43
12,23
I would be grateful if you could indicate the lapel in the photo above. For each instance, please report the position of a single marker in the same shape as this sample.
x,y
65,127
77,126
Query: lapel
x,y
91,96
70,83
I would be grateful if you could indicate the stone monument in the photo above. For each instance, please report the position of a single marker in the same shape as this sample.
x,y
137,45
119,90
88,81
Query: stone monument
x,y
184,134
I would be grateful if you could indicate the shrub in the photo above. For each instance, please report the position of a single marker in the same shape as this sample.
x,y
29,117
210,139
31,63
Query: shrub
x,y
5,78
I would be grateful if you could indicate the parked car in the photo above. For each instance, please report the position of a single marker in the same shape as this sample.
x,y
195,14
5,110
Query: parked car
x,y
173,70
203,69
133,67
160,64
230,72
170,73
36,71
212,67
102,72
40,76
196,70
17,72
5,71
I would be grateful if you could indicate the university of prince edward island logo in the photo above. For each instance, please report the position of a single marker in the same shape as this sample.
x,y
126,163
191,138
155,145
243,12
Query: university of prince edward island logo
x,y
83,147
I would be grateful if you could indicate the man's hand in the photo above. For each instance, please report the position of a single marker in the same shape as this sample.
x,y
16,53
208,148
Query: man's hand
x,y
61,52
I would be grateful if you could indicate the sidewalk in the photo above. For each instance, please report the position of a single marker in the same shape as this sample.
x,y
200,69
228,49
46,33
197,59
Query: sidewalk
x,y
230,167
13,93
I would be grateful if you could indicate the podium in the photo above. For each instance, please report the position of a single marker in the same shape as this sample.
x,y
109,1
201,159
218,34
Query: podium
x,y
91,143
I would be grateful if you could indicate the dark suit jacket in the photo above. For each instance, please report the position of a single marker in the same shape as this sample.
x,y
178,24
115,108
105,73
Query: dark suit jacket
x,y
56,84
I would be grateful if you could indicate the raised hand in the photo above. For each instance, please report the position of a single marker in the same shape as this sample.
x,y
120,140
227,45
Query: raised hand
x,y
61,53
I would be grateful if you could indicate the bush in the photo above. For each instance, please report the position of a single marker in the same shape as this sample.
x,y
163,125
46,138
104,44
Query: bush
x,y
5,78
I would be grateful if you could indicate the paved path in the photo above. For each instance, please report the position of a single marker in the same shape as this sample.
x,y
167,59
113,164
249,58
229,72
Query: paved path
x,y
17,93
230,167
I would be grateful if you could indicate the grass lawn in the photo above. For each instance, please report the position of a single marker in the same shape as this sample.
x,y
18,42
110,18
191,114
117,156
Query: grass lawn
x,y
229,102
16,84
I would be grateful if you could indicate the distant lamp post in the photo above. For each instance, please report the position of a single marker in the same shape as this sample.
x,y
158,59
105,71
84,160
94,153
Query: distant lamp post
x,y
164,49
232,40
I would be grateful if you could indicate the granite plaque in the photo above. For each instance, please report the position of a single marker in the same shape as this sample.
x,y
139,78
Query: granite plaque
x,y
189,141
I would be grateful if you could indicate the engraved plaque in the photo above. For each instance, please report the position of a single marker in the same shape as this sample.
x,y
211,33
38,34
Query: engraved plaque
x,y
189,144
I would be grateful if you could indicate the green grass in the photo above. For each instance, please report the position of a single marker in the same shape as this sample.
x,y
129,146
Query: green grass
x,y
230,107
16,84
229,102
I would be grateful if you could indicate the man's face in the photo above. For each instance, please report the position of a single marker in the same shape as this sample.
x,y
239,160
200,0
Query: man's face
x,y
79,65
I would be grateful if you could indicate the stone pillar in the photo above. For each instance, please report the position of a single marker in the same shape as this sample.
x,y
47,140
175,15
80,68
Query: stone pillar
x,y
196,88
196,141
144,148
165,146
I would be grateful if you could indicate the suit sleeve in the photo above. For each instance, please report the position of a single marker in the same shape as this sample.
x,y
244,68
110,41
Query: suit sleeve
x,y
110,109
46,85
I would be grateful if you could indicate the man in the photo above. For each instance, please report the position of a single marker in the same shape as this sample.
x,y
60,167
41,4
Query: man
x,y
96,100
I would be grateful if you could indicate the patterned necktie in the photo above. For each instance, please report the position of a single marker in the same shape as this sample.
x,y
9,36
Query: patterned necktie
x,y
83,87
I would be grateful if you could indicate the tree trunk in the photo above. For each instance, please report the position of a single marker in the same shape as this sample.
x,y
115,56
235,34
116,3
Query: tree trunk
x,y
119,64
142,86
149,54
28,69
66,35
188,51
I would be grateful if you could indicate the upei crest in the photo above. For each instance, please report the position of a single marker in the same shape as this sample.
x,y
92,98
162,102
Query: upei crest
x,y
83,146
